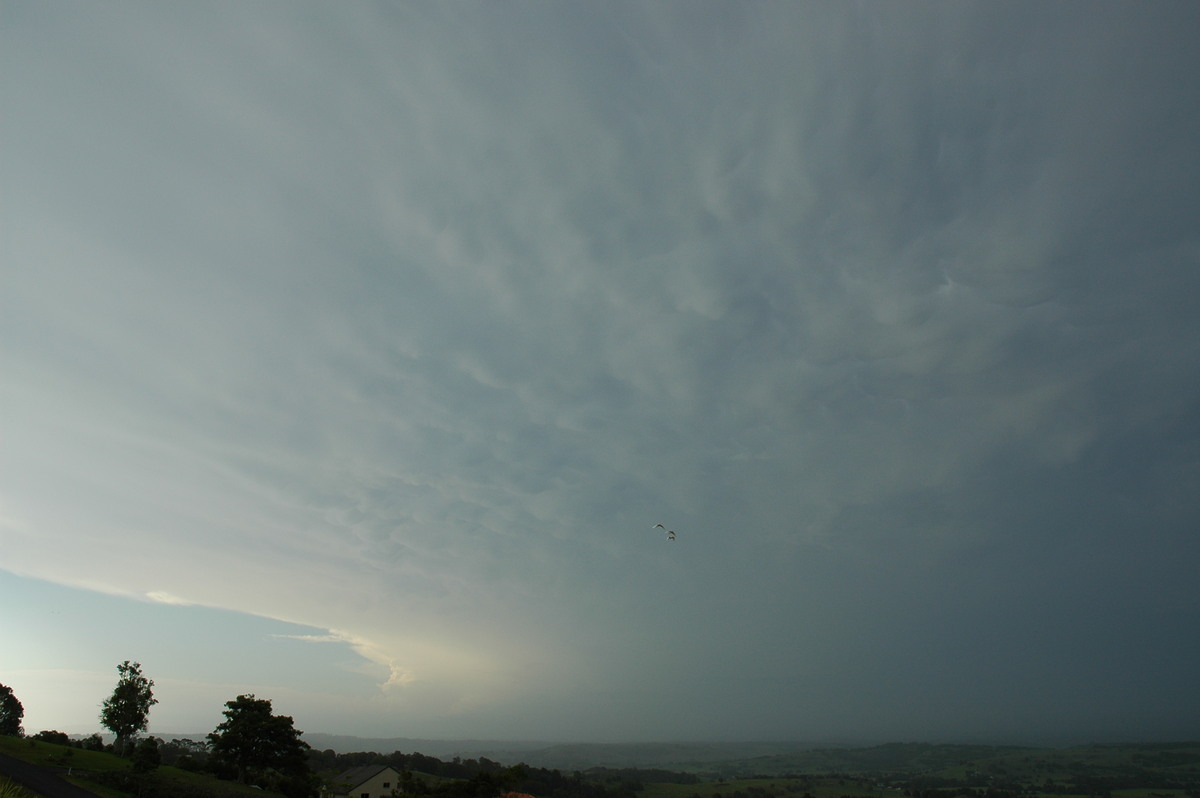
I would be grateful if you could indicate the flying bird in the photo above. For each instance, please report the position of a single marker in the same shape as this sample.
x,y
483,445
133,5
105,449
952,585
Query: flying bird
x,y
670,532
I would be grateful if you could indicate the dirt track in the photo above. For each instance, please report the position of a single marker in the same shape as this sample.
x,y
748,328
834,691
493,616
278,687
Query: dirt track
x,y
42,781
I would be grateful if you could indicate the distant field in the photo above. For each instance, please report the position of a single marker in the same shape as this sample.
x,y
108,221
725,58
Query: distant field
x,y
767,787
951,771
973,762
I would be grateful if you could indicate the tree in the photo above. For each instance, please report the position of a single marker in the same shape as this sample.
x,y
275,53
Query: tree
x,y
53,736
126,711
255,742
146,757
11,712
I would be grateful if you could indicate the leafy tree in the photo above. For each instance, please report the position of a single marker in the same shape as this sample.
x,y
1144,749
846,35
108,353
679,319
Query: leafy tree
x,y
260,744
126,711
92,743
184,753
53,736
11,712
146,757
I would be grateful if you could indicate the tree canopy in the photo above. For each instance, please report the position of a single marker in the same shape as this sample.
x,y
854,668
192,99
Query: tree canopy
x,y
255,741
11,712
126,712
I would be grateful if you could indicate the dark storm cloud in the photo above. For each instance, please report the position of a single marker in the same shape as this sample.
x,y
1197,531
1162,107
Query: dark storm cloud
x,y
887,309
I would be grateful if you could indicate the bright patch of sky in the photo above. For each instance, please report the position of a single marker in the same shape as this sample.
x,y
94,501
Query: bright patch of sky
x,y
351,352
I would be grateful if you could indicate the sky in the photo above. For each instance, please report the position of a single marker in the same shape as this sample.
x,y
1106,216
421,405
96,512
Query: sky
x,y
350,353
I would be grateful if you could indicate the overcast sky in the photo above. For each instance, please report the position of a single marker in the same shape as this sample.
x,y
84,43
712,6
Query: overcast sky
x,y
351,351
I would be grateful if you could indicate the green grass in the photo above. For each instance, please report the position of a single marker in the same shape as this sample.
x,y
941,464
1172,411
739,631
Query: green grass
x,y
82,762
37,752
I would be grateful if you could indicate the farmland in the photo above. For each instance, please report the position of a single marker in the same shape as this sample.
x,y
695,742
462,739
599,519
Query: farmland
x,y
951,771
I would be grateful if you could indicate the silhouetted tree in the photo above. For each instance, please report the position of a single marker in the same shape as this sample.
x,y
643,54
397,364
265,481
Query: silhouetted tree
x,y
146,757
255,742
126,712
53,736
11,712
184,753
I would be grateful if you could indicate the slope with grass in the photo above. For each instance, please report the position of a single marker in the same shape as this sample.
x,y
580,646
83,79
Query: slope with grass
x,y
112,776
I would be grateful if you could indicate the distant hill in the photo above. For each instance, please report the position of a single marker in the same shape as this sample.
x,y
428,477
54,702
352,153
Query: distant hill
x,y
442,749
564,756
684,757
777,758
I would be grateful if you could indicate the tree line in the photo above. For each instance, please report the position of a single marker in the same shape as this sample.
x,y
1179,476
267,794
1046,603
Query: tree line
x,y
252,745
427,776
256,747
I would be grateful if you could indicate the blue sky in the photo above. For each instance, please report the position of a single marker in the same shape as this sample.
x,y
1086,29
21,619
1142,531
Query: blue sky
x,y
350,353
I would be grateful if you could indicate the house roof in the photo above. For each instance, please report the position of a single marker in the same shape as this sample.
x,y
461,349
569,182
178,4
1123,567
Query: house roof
x,y
356,776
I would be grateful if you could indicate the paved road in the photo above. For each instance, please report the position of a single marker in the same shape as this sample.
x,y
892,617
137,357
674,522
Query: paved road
x,y
41,780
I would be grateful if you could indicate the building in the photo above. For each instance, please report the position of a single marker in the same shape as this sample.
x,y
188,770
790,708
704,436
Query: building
x,y
368,781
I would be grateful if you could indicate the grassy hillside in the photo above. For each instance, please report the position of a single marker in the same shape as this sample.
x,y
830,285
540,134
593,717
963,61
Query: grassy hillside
x,y
98,771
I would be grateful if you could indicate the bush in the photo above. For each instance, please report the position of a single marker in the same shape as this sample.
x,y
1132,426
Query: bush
x,y
146,756
93,743
56,737
189,763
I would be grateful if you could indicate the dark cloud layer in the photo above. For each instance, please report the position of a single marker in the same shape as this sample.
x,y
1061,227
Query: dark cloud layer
x,y
407,322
